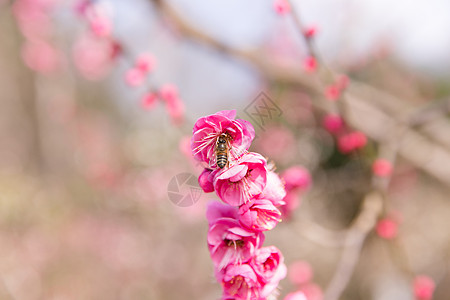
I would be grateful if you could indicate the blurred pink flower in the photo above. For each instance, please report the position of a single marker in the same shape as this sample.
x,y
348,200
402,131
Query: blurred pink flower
x,y
134,77
242,181
168,92
387,228
101,26
332,92
423,287
94,57
259,215
342,82
149,100
300,272
382,167
296,177
230,243
176,110
146,63
207,129
174,105
278,143
310,64
40,56
333,123
281,7
292,202
310,31
312,291
295,296
351,141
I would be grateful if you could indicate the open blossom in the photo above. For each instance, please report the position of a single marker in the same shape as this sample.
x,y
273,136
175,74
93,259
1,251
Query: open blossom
x,y
208,129
251,196
274,190
230,243
240,282
259,215
239,183
268,263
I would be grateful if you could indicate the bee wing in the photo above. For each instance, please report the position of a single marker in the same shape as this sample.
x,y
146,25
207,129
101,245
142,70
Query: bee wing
x,y
213,157
213,160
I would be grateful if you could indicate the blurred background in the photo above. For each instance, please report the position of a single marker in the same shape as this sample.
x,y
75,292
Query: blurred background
x,y
91,137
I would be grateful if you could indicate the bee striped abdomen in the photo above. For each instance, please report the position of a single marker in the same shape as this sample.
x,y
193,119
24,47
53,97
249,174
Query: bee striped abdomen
x,y
221,151
222,159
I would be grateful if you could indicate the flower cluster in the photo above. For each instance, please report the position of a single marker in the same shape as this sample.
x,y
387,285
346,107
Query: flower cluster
x,y
252,195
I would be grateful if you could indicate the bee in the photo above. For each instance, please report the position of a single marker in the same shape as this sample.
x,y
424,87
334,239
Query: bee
x,y
222,150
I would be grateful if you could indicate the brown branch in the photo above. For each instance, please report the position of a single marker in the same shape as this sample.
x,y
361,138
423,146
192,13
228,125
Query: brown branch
x,y
429,113
354,240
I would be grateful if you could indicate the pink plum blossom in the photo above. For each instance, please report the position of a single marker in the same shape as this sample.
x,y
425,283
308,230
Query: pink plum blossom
x,y
296,177
230,243
93,57
240,282
300,272
351,141
207,129
333,123
281,7
312,291
146,63
176,110
332,92
382,167
274,190
387,228
310,64
292,202
148,101
423,287
134,77
259,215
168,92
101,26
244,180
217,210
41,56
295,296
205,180
268,264
310,31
